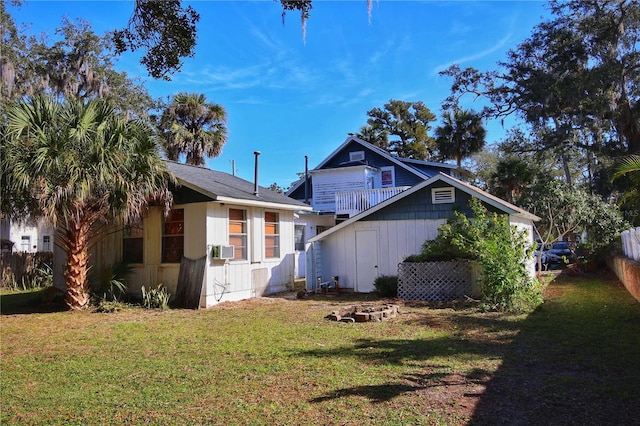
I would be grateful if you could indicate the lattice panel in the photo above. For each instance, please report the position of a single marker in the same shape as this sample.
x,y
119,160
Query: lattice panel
x,y
434,281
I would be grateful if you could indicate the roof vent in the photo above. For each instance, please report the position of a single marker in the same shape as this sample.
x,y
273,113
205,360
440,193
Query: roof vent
x,y
443,195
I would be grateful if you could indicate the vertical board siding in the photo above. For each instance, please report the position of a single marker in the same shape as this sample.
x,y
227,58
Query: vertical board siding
x,y
206,224
232,280
396,240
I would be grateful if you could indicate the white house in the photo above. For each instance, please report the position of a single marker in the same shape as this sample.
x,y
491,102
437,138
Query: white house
x,y
244,233
28,236
373,242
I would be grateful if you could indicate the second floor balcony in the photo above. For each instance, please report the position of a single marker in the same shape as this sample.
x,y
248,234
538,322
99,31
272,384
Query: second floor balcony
x,y
353,202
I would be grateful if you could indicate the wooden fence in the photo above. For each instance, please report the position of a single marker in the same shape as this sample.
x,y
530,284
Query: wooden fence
x,y
631,243
20,269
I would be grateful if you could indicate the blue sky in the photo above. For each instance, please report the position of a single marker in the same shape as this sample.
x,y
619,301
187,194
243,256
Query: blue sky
x,y
288,96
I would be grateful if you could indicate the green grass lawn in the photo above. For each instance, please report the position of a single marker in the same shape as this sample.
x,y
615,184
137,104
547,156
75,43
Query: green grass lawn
x,y
277,361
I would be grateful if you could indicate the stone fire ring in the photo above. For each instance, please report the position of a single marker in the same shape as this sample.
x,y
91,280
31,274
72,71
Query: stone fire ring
x,y
365,313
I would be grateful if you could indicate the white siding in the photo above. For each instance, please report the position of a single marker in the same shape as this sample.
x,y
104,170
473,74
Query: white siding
x,y
327,183
396,241
527,226
233,279
310,223
33,231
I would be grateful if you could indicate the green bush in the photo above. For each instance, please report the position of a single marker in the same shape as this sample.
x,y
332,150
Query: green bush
x,y
155,298
386,285
501,249
109,283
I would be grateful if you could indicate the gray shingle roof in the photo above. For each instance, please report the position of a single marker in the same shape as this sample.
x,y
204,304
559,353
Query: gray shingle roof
x,y
225,187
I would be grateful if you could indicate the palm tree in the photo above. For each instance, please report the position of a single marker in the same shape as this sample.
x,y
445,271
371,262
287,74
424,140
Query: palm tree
x,y
461,135
192,126
511,176
630,167
83,166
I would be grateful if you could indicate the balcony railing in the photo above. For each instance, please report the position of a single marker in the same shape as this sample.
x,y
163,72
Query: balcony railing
x,y
354,202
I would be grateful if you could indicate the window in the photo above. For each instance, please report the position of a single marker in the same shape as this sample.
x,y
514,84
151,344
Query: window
x,y
271,234
25,243
238,233
299,237
132,243
356,156
173,237
443,195
321,229
46,243
387,176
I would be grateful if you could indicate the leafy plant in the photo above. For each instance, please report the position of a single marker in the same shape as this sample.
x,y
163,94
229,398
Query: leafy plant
x,y
501,249
108,283
155,298
386,285
43,275
37,273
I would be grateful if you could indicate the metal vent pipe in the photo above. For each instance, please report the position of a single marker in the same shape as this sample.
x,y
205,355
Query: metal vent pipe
x,y
306,179
255,177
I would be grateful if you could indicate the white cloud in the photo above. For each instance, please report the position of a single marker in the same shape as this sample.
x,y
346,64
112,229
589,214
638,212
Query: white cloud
x,y
473,57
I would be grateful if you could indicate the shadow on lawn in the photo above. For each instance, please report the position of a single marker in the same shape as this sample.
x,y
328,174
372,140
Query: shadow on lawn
x,y
413,351
30,302
572,361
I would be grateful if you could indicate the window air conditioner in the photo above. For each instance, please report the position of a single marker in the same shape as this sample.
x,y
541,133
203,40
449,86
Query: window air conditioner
x,y
222,252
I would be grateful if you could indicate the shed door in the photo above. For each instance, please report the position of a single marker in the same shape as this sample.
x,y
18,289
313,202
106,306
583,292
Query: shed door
x,y
366,260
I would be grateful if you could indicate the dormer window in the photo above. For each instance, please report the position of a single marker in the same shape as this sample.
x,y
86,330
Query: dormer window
x,y
443,195
356,156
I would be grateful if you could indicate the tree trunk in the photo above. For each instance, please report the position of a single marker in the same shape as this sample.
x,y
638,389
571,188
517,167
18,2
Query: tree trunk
x,y
628,124
77,296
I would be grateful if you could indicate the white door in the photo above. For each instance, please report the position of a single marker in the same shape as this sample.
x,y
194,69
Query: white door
x,y
366,260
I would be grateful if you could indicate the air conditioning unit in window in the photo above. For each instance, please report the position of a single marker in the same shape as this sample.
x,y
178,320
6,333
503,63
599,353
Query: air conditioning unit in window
x,y
222,252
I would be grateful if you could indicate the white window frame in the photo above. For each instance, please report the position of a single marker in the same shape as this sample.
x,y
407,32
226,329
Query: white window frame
x,y
393,176
240,253
46,243
299,245
356,156
275,236
25,243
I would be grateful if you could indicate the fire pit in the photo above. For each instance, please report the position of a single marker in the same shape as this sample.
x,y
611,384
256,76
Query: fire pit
x,y
365,313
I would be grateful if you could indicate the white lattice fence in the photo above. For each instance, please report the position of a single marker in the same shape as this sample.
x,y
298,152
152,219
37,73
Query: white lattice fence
x,y
437,281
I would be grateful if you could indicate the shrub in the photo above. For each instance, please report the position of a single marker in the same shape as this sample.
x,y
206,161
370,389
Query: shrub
x,y
155,298
501,249
108,283
386,285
